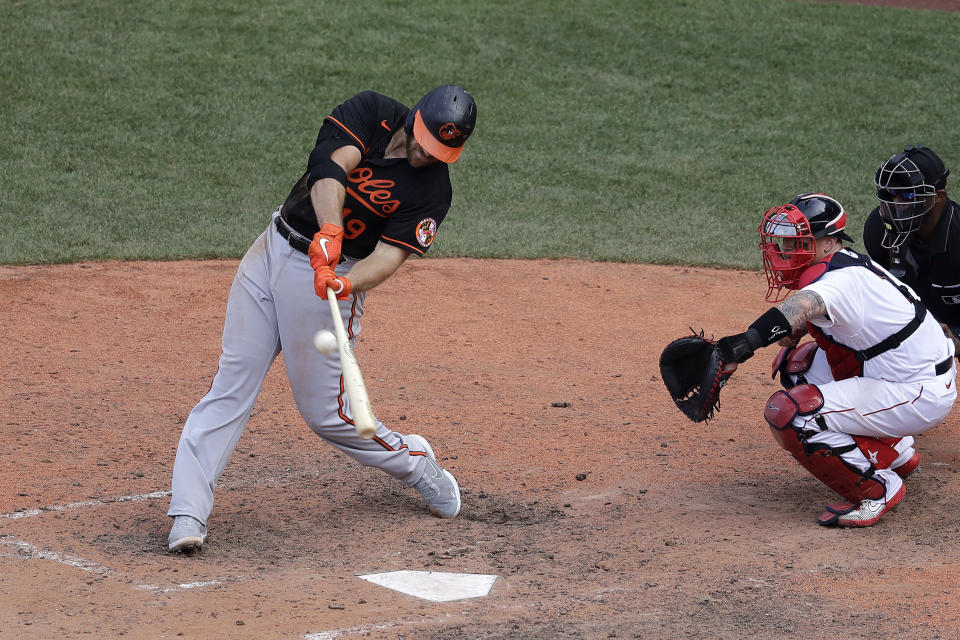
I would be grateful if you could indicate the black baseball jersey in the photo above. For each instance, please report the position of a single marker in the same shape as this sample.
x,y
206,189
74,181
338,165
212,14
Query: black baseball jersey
x,y
387,200
932,268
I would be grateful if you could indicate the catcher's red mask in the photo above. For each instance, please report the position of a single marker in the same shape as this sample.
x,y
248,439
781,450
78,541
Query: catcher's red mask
x,y
787,247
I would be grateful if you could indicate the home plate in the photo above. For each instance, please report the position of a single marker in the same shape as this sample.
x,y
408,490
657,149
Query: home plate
x,y
436,586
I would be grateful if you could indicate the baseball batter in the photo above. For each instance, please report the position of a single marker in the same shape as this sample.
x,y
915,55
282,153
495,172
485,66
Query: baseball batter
x,y
878,372
375,191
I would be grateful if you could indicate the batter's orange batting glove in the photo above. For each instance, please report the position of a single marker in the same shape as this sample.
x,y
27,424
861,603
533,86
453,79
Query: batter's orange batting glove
x,y
341,286
325,277
325,247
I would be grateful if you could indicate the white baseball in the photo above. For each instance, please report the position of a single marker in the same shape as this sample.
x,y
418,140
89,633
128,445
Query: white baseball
x,y
324,341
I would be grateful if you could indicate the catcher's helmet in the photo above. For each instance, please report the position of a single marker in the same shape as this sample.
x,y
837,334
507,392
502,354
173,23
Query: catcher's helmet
x,y
442,121
826,216
906,185
788,236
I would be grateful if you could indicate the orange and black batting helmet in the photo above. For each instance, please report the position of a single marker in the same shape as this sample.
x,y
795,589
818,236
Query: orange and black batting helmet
x,y
442,121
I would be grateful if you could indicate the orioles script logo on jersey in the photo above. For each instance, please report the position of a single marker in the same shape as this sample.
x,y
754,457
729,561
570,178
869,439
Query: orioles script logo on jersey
x,y
426,232
449,131
376,195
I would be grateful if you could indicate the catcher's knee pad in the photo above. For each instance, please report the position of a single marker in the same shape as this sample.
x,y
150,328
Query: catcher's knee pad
x,y
826,463
793,361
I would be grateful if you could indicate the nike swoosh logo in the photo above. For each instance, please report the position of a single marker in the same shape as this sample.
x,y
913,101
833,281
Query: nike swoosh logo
x,y
323,245
873,507
383,123
949,384
867,510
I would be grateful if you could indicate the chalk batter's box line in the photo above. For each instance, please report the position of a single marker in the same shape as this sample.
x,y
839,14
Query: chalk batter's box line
x,y
29,551
26,550
29,513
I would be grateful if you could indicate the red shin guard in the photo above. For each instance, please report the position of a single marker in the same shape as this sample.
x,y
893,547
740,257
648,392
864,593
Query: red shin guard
x,y
823,461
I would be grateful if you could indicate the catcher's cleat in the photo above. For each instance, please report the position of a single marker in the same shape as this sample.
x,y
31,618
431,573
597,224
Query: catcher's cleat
x,y
862,514
187,534
909,466
437,485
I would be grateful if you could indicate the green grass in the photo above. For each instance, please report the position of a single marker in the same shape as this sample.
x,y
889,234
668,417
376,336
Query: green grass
x,y
609,130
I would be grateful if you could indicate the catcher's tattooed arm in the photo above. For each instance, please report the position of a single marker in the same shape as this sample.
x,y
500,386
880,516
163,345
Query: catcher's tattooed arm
x,y
785,322
801,307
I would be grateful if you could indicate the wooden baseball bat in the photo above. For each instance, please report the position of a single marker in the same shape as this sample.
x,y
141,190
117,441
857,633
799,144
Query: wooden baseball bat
x,y
363,420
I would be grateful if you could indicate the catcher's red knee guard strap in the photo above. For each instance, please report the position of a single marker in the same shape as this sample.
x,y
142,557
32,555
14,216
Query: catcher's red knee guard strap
x,y
793,361
823,461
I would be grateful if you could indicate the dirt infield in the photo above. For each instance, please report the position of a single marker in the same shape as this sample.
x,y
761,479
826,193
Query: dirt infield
x,y
602,512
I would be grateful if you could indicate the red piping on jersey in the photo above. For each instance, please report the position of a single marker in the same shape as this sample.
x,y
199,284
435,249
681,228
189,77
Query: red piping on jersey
x,y
419,252
344,127
365,203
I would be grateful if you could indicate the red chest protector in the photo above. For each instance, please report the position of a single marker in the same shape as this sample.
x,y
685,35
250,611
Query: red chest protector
x,y
847,362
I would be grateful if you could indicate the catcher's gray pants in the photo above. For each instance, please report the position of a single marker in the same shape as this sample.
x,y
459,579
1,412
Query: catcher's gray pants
x,y
272,305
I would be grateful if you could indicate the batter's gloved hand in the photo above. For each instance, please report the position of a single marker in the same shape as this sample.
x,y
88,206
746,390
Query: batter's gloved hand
x,y
325,277
325,247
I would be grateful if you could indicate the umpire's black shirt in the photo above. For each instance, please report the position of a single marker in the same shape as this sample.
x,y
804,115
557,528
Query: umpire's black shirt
x,y
932,266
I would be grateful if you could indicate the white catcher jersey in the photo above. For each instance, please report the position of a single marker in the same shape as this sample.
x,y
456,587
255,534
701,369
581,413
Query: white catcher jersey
x,y
863,309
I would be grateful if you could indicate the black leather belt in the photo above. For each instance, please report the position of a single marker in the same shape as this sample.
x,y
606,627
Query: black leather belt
x,y
298,241
943,367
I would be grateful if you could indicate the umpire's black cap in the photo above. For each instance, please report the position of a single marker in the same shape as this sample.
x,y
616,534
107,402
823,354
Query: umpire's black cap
x,y
915,166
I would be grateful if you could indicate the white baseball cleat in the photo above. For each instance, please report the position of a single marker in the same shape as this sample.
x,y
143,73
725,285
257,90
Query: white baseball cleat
x,y
860,514
437,485
187,534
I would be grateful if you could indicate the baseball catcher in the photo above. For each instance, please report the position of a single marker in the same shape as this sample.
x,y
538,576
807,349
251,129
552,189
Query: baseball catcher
x,y
878,371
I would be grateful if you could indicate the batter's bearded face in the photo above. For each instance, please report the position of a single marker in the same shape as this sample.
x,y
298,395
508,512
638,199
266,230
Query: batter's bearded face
x,y
416,156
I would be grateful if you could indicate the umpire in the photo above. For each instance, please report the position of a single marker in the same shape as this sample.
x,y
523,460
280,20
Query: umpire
x,y
915,232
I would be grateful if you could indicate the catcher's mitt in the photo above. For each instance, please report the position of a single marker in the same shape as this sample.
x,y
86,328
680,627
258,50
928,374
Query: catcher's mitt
x,y
692,369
